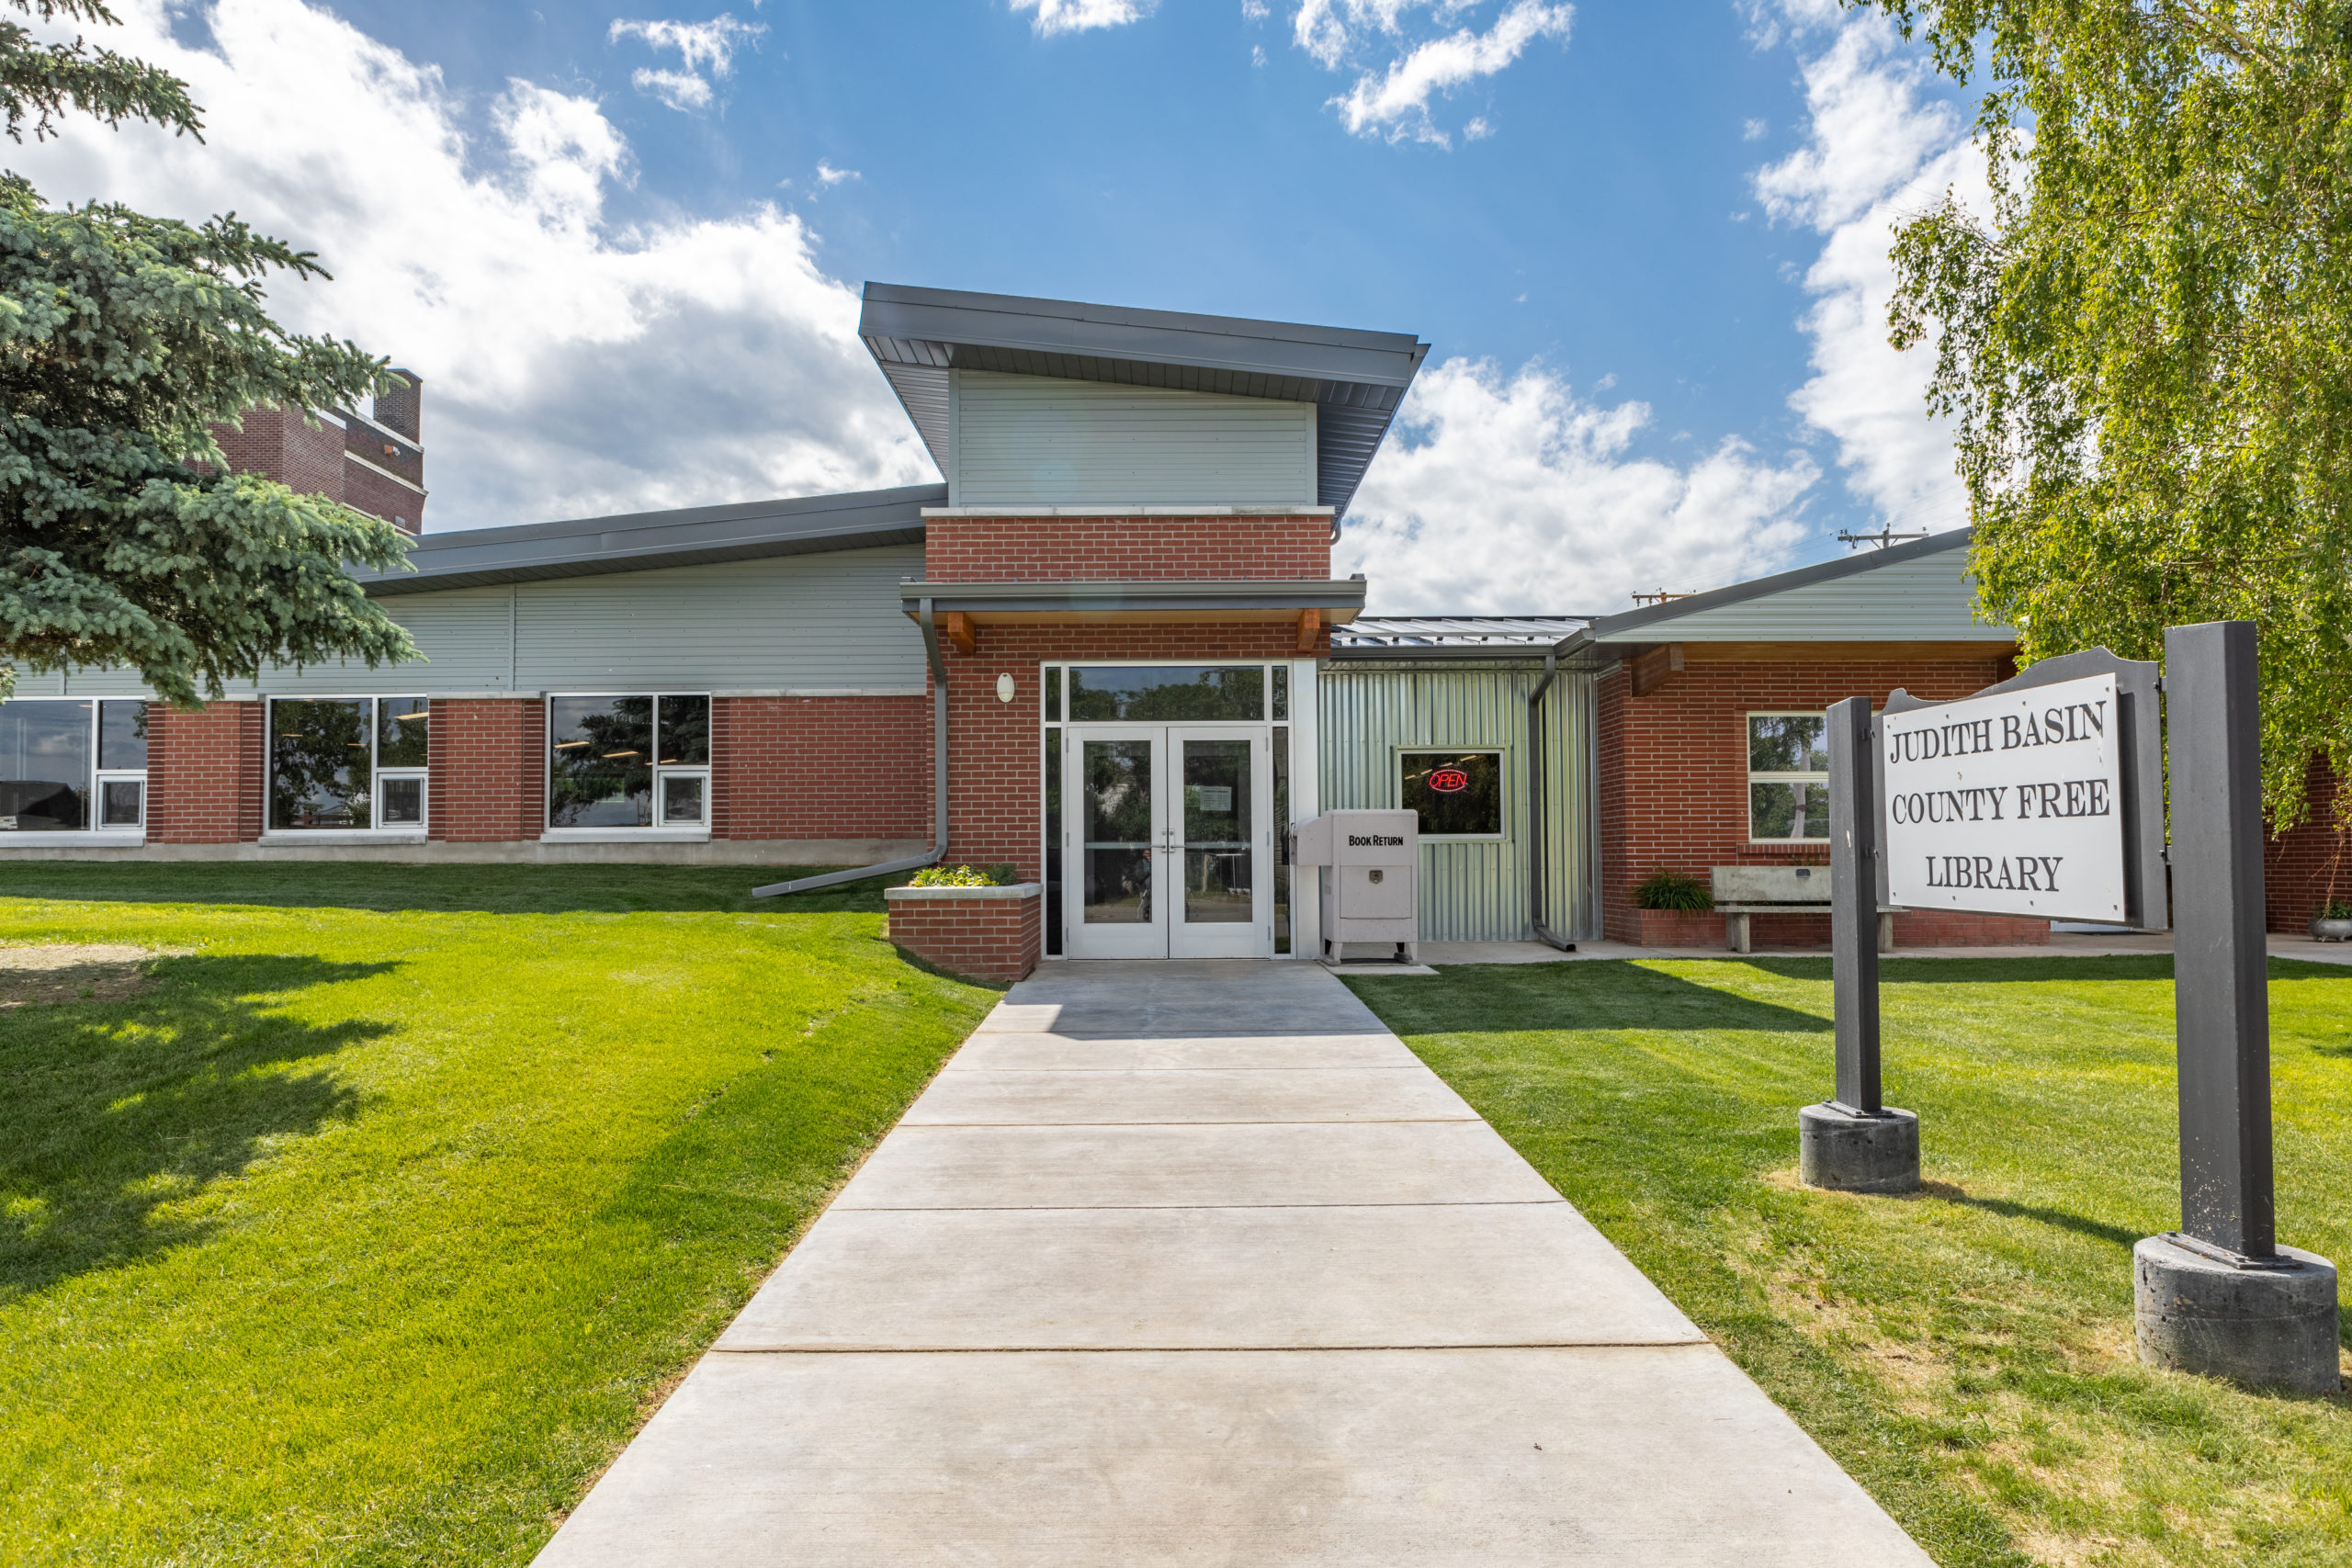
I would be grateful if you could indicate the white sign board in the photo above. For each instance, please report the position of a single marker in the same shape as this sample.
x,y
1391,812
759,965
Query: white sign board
x,y
2008,805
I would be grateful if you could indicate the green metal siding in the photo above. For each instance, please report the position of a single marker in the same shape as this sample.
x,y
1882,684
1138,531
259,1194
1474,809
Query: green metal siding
x,y
1022,439
1928,598
1471,890
823,622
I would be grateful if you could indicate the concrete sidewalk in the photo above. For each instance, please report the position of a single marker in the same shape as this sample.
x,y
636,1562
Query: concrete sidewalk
x,y
1196,1263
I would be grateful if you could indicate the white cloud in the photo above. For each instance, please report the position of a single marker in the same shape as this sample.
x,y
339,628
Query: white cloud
x,y
702,46
1081,16
1394,102
1514,495
699,44
572,365
1753,131
829,176
1878,148
682,90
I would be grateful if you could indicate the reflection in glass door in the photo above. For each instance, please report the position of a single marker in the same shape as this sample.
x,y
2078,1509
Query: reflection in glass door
x,y
1168,850
1118,913
1220,843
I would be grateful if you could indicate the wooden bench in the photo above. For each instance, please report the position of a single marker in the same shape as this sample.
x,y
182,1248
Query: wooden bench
x,y
1742,891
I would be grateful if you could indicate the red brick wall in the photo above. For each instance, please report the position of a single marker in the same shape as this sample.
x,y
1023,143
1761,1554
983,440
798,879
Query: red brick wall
x,y
1111,549
2308,864
995,759
1673,787
993,940
286,447
488,772
204,774
372,492
820,767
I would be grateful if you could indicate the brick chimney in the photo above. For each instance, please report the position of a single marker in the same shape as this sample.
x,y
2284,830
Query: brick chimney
x,y
383,466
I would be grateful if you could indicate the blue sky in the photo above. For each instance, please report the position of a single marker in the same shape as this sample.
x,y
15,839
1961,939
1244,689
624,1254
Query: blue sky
x,y
620,242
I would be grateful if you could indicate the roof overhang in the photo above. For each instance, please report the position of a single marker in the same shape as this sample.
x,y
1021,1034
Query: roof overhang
x,y
1050,604
1653,624
1356,379
646,541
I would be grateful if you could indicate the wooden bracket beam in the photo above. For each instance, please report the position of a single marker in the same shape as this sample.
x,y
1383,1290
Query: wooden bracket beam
x,y
1310,629
1653,668
959,631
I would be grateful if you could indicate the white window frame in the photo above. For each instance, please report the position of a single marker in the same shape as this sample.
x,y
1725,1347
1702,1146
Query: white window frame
x,y
1750,778
657,829
1501,755
375,831
93,830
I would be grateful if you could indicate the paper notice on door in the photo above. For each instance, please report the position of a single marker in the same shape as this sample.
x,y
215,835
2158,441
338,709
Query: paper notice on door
x,y
1212,798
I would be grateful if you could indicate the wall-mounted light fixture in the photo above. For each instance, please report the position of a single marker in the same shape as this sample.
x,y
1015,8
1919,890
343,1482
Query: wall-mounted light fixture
x,y
1004,688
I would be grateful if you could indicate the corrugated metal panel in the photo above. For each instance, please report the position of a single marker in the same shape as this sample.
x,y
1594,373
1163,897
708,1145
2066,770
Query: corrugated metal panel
x,y
1471,891
829,621
1923,598
1034,440
462,633
819,622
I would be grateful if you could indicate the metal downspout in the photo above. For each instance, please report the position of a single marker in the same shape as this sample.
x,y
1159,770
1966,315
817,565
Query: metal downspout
x,y
938,784
1537,806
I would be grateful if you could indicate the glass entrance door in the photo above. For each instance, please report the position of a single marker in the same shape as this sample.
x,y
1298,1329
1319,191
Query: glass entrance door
x,y
1168,842
1113,806
1217,835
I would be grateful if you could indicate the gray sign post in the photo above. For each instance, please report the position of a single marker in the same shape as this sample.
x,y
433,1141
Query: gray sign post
x,y
1854,1144
2220,1295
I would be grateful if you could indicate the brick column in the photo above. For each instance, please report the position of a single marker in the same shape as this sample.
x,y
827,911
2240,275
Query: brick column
x,y
488,769
205,777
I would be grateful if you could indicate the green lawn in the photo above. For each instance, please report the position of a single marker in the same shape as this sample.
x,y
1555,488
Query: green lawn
x,y
370,1231
1967,1354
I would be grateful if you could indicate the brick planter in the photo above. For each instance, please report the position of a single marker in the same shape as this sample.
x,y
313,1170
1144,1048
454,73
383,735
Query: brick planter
x,y
991,934
1672,928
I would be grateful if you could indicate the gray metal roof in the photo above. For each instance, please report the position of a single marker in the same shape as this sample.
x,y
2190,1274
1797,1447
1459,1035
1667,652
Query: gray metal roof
x,y
1356,379
640,541
1402,633
1904,618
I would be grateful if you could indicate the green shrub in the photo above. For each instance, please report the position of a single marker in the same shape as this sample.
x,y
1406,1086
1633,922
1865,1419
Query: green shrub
x,y
2336,909
1672,890
965,876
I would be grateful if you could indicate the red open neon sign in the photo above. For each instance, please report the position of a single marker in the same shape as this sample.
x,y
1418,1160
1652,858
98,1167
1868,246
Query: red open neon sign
x,y
1449,780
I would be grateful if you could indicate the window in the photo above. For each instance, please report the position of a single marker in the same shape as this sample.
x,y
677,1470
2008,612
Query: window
x,y
629,762
1457,793
348,764
72,763
122,765
1168,693
1788,778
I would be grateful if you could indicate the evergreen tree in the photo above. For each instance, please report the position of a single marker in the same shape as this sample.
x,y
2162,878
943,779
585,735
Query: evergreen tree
x,y
124,340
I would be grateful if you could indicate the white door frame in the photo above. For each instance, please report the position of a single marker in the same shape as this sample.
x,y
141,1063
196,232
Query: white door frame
x,y
1224,938
1120,938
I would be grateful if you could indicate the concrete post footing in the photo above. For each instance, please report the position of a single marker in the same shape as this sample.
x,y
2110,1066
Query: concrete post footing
x,y
2270,1327
1846,1151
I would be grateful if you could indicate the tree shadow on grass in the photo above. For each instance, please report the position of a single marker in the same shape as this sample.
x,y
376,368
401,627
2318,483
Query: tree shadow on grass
x,y
1901,971
112,1111
1598,994
451,888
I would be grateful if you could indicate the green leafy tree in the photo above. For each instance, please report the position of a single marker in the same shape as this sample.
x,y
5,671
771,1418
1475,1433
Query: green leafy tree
x,y
124,341
2147,344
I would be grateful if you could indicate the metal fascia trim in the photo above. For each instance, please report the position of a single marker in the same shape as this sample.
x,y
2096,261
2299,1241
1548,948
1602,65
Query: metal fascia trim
x,y
1608,627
